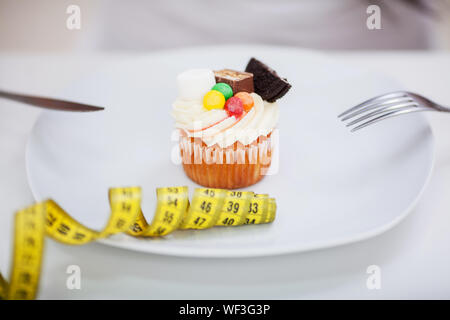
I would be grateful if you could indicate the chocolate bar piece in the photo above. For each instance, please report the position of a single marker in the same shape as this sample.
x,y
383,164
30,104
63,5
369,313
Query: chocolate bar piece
x,y
266,81
239,81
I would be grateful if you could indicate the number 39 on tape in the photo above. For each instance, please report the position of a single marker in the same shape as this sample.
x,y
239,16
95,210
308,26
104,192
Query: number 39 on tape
x,y
209,207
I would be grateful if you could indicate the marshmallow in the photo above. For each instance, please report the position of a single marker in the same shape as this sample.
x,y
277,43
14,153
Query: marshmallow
x,y
193,84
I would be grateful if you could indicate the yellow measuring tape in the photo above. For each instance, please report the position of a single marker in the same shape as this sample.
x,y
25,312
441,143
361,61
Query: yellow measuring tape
x,y
209,207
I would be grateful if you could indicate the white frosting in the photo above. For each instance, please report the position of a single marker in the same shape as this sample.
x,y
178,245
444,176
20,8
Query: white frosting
x,y
216,127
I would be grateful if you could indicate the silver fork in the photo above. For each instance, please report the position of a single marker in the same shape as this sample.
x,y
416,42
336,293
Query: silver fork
x,y
387,106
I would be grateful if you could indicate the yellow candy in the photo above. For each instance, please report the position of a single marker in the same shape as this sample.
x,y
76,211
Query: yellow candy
x,y
214,100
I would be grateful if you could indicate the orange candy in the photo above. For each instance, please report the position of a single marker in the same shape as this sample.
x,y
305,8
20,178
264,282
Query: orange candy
x,y
246,99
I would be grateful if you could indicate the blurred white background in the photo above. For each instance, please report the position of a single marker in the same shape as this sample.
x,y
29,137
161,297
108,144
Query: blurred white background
x,y
40,25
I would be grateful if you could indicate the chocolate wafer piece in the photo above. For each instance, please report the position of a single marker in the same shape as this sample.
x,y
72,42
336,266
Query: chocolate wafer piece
x,y
267,83
283,91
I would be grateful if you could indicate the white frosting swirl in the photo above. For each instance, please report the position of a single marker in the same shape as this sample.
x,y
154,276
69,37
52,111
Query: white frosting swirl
x,y
216,127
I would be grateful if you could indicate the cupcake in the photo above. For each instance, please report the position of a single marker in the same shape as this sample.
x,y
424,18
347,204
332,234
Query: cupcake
x,y
225,120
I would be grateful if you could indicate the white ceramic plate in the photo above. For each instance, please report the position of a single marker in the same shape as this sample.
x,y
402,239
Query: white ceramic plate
x,y
332,186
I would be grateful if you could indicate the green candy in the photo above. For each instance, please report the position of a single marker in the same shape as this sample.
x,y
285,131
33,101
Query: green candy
x,y
223,88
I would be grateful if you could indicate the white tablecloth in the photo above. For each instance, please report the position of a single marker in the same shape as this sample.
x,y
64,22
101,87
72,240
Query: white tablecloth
x,y
414,257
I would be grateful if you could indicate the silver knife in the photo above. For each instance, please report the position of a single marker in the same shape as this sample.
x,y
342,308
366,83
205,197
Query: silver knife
x,y
48,103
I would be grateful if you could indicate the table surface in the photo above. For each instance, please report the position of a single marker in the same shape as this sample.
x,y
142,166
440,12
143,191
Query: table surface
x,y
414,257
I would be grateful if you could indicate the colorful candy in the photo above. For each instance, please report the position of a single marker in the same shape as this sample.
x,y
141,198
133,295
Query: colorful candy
x,y
224,88
234,107
246,99
213,100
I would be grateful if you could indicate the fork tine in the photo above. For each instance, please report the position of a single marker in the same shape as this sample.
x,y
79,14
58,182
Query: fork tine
x,y
376,105
388,115
383,110
377,98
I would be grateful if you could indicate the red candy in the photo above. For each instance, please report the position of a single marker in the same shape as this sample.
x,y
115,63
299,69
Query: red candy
x,y
234,107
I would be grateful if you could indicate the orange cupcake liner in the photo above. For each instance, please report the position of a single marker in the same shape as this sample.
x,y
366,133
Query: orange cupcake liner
x,y
236,166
